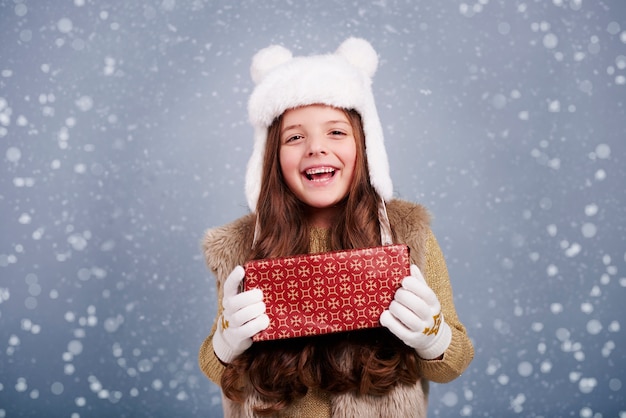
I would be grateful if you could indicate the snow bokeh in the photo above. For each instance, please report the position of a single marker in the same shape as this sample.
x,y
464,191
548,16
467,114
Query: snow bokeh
x,y
124,135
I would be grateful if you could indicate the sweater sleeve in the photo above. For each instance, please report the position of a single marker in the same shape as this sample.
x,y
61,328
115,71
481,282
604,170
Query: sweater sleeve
x,y
224,248
210,365
461,351
208,361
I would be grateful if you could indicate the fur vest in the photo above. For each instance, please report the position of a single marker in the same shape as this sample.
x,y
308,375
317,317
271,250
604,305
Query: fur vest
x,y
227,246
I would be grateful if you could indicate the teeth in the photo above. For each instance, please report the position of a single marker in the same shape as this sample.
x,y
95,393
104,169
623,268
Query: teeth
x,y
319,170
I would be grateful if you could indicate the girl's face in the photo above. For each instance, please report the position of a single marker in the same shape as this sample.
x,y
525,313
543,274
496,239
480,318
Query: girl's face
x,y
317,157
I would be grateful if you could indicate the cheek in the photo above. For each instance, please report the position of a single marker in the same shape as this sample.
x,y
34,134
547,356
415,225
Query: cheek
x,y
283,160
287,163
350,158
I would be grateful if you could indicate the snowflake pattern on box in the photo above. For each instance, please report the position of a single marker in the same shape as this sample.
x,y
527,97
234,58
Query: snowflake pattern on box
x,y
327,292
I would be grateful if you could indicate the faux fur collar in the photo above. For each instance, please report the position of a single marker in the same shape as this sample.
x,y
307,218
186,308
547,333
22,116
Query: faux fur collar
x,y
229,245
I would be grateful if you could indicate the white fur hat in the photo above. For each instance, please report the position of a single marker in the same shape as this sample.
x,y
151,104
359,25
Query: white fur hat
x,y
342,80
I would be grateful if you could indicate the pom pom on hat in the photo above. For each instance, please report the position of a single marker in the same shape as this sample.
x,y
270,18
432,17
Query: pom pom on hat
x,y
342,80
361,54
267,59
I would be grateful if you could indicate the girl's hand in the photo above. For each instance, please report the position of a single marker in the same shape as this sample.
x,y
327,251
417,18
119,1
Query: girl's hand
x,y
243,316
415,317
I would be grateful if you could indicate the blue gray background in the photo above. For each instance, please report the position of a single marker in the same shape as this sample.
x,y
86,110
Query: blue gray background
x,y
124,135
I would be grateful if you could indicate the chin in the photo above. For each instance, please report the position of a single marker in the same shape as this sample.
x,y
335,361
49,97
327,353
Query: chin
x,y
321,205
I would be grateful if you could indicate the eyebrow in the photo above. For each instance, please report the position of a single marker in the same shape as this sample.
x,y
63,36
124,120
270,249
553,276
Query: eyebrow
x,y
286,128
329,122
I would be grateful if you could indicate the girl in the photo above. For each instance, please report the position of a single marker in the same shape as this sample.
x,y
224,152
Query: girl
x,y
318,180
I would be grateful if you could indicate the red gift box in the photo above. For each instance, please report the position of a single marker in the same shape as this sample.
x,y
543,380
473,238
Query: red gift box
x,y
320,293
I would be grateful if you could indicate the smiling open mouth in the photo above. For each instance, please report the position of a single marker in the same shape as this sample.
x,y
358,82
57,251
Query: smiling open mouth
x,y
319,174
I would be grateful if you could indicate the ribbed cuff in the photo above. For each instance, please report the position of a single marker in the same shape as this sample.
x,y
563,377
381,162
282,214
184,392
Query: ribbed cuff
x,y
439,345
221,348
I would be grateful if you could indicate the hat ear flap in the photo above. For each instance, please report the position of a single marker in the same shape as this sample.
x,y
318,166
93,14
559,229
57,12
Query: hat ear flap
x,y
361,54
266,60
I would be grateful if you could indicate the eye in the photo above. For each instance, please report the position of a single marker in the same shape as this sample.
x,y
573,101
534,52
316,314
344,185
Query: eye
x,y
293,138
336,132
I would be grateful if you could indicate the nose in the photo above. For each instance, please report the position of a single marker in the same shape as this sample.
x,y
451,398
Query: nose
x,y
316,145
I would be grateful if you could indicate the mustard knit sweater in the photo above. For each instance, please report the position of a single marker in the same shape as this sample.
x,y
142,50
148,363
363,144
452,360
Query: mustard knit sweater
x,y
317,403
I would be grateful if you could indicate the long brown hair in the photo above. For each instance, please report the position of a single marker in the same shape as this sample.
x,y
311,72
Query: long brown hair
x,y
364,362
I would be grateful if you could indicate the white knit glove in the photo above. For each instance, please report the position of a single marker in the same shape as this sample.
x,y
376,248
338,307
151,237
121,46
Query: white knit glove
x,y
242,317
415,317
